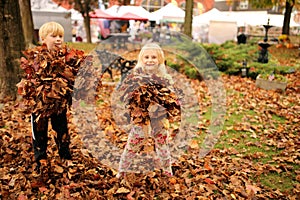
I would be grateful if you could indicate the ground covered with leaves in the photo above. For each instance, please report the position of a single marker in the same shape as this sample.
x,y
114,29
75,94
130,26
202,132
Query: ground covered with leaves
x,y
256,157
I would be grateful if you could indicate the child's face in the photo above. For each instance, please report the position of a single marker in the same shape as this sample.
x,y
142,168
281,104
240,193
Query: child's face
x,y
53,40
150,60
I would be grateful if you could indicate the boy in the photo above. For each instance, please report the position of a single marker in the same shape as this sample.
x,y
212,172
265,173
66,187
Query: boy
x,y
51,35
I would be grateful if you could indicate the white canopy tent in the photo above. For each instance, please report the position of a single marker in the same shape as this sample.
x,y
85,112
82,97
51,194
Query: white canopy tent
x,y
168,13
259,18
76,15
206,17
253,18
253,22
243,18
214,24
221,31
277,20
118,11
214,27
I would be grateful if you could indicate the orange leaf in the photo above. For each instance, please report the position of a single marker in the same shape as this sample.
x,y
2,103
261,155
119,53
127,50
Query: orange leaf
x,y
209,181
22,197
43,189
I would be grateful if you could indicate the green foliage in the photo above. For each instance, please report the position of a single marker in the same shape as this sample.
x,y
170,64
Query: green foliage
x,y
269,3
175,66
197,57
191,72
272,76
184,67
229,58
262,3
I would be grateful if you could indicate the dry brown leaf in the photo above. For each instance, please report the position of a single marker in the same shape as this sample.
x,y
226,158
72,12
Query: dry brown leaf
x,y
58,169
122,190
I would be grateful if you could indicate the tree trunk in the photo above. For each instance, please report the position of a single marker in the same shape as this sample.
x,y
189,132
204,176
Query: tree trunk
x,y
287,17
87,22
27,22
11,44
126,2
188,19
84,8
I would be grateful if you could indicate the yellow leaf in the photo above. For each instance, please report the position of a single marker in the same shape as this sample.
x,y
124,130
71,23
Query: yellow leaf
x,y
122,190
58,169
194,144
233,196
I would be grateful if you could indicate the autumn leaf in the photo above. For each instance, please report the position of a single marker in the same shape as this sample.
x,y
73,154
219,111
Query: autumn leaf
x,y
58,169
53,73
22,197
122,190
42,189
147,91
194,144
209,181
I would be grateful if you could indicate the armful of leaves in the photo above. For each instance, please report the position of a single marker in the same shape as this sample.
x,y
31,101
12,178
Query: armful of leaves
x,y
47,82
142,92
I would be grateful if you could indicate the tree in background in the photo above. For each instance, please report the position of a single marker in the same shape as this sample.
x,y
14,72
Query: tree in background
x,y
188,18
288,6
84,7
11,44
27,22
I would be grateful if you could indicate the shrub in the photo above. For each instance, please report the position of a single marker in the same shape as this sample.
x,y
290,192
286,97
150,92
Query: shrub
x,y
191,72
229,57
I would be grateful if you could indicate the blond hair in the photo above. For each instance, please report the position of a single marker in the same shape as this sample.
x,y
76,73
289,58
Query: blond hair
x,y
160,57
51,28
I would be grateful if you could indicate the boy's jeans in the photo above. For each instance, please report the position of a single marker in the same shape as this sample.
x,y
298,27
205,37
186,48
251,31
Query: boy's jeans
x,y
40,134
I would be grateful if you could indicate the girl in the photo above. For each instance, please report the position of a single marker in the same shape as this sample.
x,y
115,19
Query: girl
x,y
150,63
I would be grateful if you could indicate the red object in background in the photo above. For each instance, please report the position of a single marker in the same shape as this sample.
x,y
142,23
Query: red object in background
x,y
131,16
64,3
100,14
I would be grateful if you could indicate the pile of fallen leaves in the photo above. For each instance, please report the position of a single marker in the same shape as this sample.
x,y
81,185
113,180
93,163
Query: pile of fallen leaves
x,y
47,82
144,91
224,173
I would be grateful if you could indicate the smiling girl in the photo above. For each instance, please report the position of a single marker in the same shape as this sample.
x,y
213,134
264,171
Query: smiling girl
x,y
151,64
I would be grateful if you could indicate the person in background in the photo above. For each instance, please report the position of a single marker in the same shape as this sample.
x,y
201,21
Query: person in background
x,y
241,37
74,31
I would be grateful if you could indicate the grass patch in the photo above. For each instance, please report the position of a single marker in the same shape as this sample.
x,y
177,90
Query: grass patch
x,y
86,47
249,145
207,114
278,119
280,181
